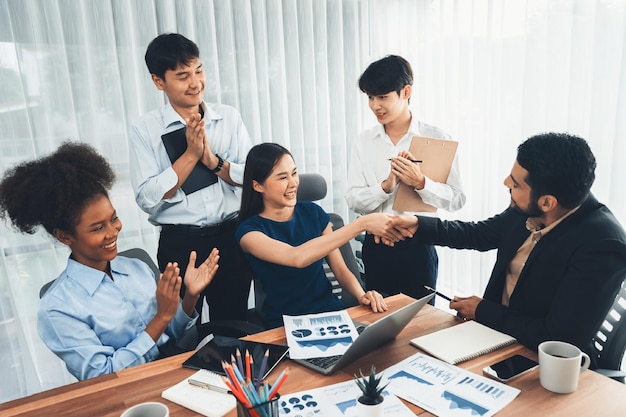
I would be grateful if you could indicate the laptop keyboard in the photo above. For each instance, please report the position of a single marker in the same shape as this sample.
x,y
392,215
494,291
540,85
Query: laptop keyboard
x,y
330,361
324,363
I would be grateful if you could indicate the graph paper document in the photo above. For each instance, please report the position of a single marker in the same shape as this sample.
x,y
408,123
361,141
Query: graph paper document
x,y
447,390
319,335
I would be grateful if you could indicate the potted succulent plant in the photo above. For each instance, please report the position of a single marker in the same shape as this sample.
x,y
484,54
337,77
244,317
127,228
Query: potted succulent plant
x,y
370,403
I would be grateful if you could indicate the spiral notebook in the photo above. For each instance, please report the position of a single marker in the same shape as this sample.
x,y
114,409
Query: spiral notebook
x,y
462,342
201,400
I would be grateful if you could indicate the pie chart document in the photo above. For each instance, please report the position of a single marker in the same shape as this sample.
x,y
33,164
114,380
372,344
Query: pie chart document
x,y
319,335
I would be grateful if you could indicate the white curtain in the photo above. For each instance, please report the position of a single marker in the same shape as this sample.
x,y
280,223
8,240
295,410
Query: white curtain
x,y
494,72
490,72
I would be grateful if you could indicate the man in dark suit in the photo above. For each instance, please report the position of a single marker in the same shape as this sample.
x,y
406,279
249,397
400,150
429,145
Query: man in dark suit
x,y
561,254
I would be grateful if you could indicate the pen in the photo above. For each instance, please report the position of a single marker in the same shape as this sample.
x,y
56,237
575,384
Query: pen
x,y
438,293
417,161
205,385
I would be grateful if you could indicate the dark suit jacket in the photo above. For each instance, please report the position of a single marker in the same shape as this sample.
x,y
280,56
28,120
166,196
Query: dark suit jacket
x,y
568,282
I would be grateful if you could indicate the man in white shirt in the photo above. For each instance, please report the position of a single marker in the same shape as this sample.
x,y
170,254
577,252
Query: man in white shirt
x,y
186,164
373,180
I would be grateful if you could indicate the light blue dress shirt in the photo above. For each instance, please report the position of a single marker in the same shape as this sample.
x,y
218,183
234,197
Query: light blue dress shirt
x,y
97,325
152,174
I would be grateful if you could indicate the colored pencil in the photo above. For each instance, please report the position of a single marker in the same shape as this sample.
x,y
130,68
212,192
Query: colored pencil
x,y
279,381
239,362
248,372
262,368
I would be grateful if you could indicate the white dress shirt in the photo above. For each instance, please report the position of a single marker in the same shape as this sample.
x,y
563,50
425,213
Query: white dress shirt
x,y
370,166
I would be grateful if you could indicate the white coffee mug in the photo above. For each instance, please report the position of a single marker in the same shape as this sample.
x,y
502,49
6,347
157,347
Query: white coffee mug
x,y
152,409
560,365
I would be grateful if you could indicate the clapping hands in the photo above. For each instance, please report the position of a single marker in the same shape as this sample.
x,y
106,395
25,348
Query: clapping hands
x,y
197,279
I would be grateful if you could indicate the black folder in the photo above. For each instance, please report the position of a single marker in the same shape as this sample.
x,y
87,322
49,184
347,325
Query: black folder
x,y
201,176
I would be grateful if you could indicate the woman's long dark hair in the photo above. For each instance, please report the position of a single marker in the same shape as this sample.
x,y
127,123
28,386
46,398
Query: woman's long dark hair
x,y
260,162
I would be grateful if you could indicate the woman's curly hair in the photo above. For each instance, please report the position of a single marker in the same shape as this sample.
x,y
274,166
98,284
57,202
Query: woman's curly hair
x,y
53,191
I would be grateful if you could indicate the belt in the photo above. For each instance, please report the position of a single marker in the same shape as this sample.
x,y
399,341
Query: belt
x,y
229,223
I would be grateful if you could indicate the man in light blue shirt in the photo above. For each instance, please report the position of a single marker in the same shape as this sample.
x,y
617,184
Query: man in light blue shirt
x,y
187,161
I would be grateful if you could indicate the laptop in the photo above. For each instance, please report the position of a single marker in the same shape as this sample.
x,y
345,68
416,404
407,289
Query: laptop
x,y
370,338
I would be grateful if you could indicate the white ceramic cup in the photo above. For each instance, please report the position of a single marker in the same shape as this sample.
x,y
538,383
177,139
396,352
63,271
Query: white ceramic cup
x,y
560,364
152,409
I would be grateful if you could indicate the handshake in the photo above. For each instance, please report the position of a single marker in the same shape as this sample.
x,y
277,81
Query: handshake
x,y
389,229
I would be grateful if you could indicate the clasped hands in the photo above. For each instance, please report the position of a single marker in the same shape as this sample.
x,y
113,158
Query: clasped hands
x,y
404,168
197,142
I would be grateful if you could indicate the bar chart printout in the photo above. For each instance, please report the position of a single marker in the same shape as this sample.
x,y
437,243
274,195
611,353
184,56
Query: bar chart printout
x,y
447,390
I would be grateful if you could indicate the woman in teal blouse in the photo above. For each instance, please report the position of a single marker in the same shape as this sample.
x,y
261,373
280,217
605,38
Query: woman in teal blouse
x,y
285,240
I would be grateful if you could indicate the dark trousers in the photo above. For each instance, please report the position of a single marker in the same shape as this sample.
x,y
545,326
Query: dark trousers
x,y
404,268
227,294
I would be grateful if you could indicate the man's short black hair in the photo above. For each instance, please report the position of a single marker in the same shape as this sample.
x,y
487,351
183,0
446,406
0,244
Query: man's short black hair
x,y
168,51
391,73
558,164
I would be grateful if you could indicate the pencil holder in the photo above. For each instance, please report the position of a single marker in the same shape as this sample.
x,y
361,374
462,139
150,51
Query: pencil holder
x,y
266,409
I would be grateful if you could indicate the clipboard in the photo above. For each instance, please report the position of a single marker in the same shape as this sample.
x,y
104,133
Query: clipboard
x,y
201,176
437,156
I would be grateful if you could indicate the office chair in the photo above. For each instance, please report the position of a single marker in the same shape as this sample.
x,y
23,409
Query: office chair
x,y
45,287
313,188
610,341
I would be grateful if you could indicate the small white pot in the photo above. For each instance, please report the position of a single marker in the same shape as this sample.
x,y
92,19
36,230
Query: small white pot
x,y
364,410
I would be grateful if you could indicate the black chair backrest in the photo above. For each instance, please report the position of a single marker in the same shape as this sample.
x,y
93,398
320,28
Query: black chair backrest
x,y
143,256
610,341
349,258
313,188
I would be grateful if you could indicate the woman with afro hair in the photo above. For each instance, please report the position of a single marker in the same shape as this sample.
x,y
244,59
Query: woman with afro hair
x,y
104,312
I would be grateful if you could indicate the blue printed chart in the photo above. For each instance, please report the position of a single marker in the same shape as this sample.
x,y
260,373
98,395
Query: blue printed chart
x,y
319,335
338,400
447,390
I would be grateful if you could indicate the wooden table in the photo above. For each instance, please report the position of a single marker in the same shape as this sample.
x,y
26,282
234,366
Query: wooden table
x,y
110,395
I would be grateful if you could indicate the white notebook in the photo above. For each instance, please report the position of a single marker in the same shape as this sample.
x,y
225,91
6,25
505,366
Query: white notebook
x,y
462,342
201,400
